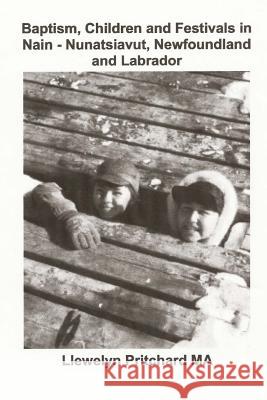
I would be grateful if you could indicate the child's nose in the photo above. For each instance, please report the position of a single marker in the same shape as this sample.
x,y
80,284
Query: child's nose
x,y
108,197
194,216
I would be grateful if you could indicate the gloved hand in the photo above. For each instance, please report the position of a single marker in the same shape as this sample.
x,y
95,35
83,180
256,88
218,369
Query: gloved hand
x,y
81,231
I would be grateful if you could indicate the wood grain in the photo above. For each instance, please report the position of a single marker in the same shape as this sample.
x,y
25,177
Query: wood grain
x,y
178,166
208,258
157,317
43,319
201,146
236,75
168,280
135,111
184,80
145,93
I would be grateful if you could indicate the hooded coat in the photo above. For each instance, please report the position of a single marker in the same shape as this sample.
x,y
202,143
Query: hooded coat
x,y
227,214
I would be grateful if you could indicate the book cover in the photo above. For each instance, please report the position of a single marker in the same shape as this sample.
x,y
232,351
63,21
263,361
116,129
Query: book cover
x,y
131,265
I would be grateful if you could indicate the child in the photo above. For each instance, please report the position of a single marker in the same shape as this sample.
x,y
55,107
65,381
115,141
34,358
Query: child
x,y
115,190
202,208
115,195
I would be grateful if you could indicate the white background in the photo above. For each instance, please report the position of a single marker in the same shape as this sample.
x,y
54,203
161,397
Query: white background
x,y
34,373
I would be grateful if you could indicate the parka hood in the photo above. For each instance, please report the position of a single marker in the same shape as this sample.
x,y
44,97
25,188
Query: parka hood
x,y
228,211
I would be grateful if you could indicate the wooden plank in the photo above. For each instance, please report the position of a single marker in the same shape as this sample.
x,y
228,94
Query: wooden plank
x,y
135,310
43,319
51,164
211,258
178,166
145,93
200,146
236,75
136,112
185,80
164,279
214,258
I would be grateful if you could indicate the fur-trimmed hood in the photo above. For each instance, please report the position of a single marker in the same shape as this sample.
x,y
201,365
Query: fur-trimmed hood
x,y
229,209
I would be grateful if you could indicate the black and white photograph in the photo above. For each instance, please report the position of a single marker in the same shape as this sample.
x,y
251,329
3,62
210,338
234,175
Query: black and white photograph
x,y
136,209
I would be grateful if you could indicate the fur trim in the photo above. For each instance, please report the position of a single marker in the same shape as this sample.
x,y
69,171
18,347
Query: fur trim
x,y
228,212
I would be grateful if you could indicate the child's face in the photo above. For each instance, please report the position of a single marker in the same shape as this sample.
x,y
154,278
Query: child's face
x,y
110,201
195,222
